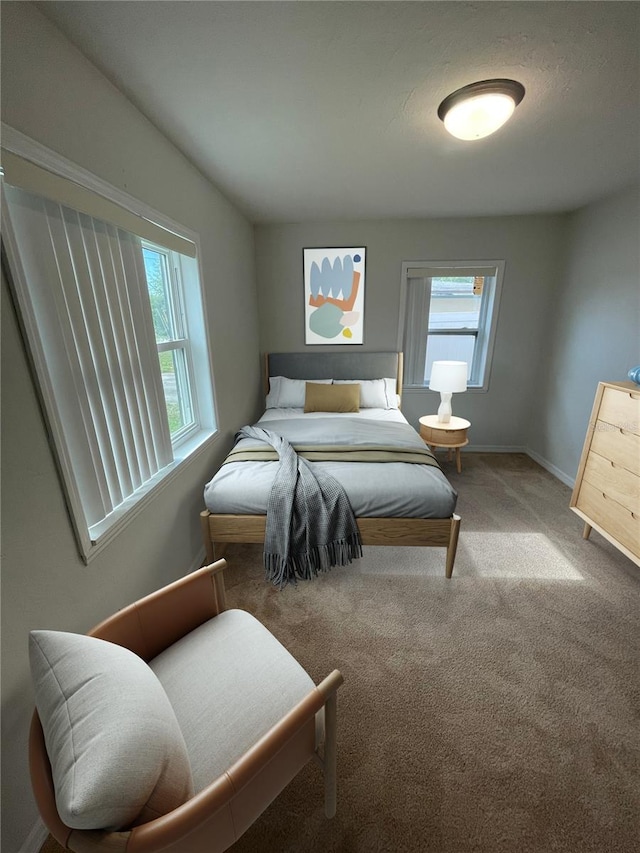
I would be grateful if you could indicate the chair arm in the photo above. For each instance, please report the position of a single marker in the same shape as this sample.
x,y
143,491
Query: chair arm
x,y
274,740
153,623
330,684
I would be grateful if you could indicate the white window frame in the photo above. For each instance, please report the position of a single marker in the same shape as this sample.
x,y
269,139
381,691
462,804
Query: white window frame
x,y
413,331
190,442
172,261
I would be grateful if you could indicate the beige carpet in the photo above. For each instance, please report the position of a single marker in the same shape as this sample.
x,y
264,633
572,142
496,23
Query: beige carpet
x,y
496,712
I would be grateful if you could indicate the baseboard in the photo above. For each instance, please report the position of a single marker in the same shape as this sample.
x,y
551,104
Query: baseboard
x,y
494,448
544,463
35,839
552,469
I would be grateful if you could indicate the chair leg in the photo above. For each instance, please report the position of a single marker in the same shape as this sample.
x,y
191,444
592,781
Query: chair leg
x,y
330,755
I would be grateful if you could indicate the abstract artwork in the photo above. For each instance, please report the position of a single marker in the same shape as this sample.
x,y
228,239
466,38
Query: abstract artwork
x,y
334,295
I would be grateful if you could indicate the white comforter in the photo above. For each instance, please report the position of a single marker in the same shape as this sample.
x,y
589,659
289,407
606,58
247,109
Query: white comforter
x,y
389,489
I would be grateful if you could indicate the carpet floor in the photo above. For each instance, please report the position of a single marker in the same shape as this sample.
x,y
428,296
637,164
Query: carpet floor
x,y
496,712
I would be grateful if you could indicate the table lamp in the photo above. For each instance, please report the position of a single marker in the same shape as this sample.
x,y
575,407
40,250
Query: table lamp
x,y
447,377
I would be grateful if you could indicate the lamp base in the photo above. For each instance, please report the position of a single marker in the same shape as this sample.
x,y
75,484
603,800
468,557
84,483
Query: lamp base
x,y
444,409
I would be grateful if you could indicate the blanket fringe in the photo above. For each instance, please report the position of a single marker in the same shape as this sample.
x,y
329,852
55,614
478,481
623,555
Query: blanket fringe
x,y
283,570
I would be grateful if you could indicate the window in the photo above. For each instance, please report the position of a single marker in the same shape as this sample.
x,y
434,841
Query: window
x,y
113,317
449,313
165,295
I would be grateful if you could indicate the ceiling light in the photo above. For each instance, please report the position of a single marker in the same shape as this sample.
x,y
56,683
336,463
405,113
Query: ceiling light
x,y
480,108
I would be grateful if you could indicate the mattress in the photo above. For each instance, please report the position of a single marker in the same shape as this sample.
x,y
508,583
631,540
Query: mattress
x,y
378,490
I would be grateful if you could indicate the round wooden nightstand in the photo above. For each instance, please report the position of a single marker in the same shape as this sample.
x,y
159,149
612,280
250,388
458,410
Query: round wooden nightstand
x,y
452,435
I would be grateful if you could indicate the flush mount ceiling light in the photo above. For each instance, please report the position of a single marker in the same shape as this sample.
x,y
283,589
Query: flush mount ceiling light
x,y
480,108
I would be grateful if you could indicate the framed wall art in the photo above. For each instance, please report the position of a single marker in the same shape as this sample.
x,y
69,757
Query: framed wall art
x,y
334,295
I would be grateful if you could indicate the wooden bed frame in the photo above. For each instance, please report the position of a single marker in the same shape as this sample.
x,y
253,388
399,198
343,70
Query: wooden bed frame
x,y
218,531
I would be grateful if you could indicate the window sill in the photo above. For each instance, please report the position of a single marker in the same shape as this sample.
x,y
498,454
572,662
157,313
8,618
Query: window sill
x,y
413,389
105,531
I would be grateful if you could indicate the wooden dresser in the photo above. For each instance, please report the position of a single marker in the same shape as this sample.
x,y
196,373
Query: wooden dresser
x,y
607,491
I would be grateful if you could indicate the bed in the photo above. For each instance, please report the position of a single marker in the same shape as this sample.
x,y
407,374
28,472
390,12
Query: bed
x,y
395,503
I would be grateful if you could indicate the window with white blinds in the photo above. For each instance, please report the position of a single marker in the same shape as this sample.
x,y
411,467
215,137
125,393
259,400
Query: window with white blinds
x,y
449,312
109,318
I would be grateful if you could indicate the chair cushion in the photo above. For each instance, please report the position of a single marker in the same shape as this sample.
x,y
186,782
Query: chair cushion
x,y
229,682
117,754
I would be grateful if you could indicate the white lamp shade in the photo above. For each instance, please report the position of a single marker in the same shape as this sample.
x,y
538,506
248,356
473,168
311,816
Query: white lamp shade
x,y
449,376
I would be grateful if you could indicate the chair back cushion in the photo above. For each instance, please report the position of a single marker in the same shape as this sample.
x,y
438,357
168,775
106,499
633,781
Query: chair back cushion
x,y
117,754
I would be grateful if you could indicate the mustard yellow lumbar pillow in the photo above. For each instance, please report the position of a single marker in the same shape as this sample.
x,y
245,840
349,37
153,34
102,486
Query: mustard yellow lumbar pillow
x,y
332,398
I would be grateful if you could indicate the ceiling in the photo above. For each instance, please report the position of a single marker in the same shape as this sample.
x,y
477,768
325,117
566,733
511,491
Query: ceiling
x,y
304,111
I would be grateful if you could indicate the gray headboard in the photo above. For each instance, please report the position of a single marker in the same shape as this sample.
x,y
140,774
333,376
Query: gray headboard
x,y
335,365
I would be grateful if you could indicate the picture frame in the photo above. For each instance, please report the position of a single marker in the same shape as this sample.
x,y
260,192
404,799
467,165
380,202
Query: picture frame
x,y
334,287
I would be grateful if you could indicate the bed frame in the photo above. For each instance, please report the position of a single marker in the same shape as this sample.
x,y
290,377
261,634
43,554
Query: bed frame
x,y
220,530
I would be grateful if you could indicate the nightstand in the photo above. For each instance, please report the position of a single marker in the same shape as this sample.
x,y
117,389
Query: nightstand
x,y
452,435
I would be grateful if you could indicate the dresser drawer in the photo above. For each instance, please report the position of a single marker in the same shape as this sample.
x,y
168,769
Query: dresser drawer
x,y
622,525
622,448
621,408
615,481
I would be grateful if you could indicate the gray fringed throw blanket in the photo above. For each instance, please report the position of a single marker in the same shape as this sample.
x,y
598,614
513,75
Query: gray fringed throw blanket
x,y
310,524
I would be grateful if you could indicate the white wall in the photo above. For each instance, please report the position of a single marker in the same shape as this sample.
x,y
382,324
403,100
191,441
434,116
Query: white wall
x,y
533,248
54,95
594,327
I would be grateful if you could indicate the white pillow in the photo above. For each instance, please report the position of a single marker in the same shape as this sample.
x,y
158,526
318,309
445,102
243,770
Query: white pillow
x,y
393,399
289,393
374,393
274,392
116,750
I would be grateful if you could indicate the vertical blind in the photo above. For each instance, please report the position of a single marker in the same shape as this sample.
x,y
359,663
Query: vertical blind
x,y
85,296
418,296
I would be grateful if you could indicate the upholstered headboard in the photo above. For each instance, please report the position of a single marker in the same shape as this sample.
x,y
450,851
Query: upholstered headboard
x,y
334,365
